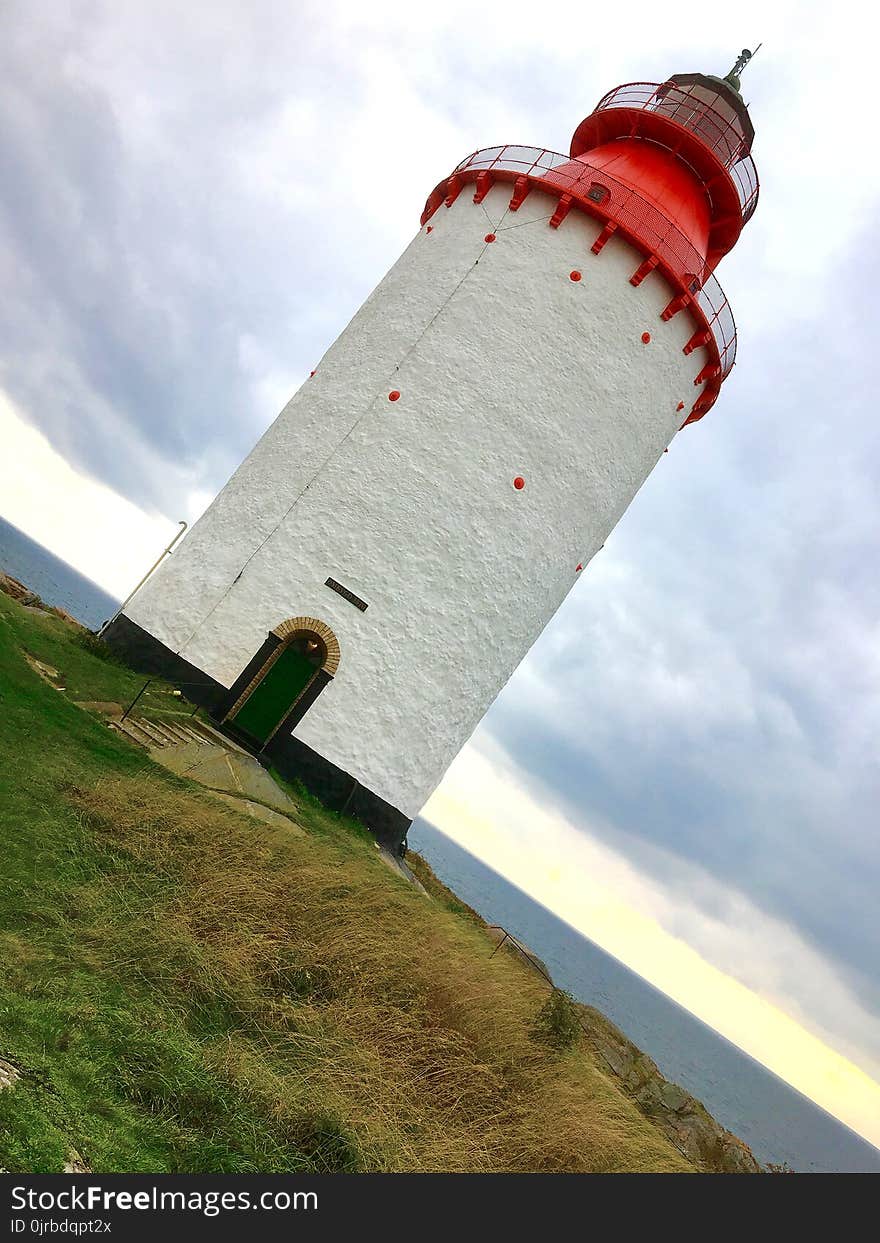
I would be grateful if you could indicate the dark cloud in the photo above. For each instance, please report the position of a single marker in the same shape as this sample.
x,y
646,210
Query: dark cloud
x,y
155,246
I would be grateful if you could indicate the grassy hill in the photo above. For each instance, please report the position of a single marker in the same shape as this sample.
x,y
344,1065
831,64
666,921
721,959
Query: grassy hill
x,y
183,988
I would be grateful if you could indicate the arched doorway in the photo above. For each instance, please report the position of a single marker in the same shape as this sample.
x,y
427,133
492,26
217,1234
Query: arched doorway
x,y
283,680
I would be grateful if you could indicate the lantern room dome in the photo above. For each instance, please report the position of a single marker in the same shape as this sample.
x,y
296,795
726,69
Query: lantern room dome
x,y
703,123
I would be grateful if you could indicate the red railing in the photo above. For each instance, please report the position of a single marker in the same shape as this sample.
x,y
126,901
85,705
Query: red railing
x,y
683,106
617,200
712,301
598,194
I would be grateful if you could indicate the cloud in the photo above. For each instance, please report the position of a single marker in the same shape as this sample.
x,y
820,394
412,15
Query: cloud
x,y
178,206
89,525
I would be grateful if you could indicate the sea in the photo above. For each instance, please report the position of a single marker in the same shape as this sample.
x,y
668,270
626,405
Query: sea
x,y
780,1125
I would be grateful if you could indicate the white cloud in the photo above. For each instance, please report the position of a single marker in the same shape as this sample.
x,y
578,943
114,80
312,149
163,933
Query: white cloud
x,y
83,522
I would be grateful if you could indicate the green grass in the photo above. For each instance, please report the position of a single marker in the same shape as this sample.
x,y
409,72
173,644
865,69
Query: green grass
x,y
186,989
88,669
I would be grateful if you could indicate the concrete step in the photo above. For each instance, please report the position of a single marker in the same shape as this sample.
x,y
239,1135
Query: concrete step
x,y
165,731
397,865
215,736
130,729
254,781
258,812
191,735
203,754
176,731
186,758
213,765
173,732
156,736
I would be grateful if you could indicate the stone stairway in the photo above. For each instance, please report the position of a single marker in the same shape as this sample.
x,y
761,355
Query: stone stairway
x,y
152,733
194,749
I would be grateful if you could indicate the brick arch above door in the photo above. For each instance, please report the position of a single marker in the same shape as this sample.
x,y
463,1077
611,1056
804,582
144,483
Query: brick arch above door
x,y
286,629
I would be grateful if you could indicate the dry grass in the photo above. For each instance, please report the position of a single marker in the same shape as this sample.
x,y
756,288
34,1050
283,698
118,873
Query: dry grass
x,y
185,989
340,1001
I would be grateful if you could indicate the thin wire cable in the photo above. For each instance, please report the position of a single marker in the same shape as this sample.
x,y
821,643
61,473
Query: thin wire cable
x,y
336,449
523,223
488,217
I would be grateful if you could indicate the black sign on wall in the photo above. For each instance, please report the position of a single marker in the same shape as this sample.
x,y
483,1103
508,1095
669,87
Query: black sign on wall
x,y
346,594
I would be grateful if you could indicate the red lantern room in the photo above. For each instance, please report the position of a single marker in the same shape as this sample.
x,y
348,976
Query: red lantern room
x,y
666,165
684,146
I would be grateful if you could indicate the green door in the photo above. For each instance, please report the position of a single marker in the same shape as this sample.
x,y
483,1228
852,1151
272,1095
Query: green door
x,y
272,698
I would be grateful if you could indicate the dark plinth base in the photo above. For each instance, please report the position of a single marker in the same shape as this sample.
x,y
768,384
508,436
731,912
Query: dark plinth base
x,y
336,789
146,654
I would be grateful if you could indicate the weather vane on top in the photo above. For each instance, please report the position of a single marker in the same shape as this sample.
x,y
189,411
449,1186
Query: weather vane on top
x,y
741,61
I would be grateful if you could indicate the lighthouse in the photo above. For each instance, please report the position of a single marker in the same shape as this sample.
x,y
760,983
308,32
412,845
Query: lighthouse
x,y
358,593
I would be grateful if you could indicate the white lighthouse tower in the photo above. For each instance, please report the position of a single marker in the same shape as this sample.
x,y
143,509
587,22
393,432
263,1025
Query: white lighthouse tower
x,y
372,574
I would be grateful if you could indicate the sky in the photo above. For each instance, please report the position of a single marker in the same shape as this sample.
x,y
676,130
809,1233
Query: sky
x,y
194,200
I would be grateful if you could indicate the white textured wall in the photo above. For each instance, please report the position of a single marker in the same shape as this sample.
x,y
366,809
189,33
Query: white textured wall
x,y
505,367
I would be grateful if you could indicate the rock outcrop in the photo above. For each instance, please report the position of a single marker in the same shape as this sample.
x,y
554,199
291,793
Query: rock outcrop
x,y
681,1117
12,587
8,1074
